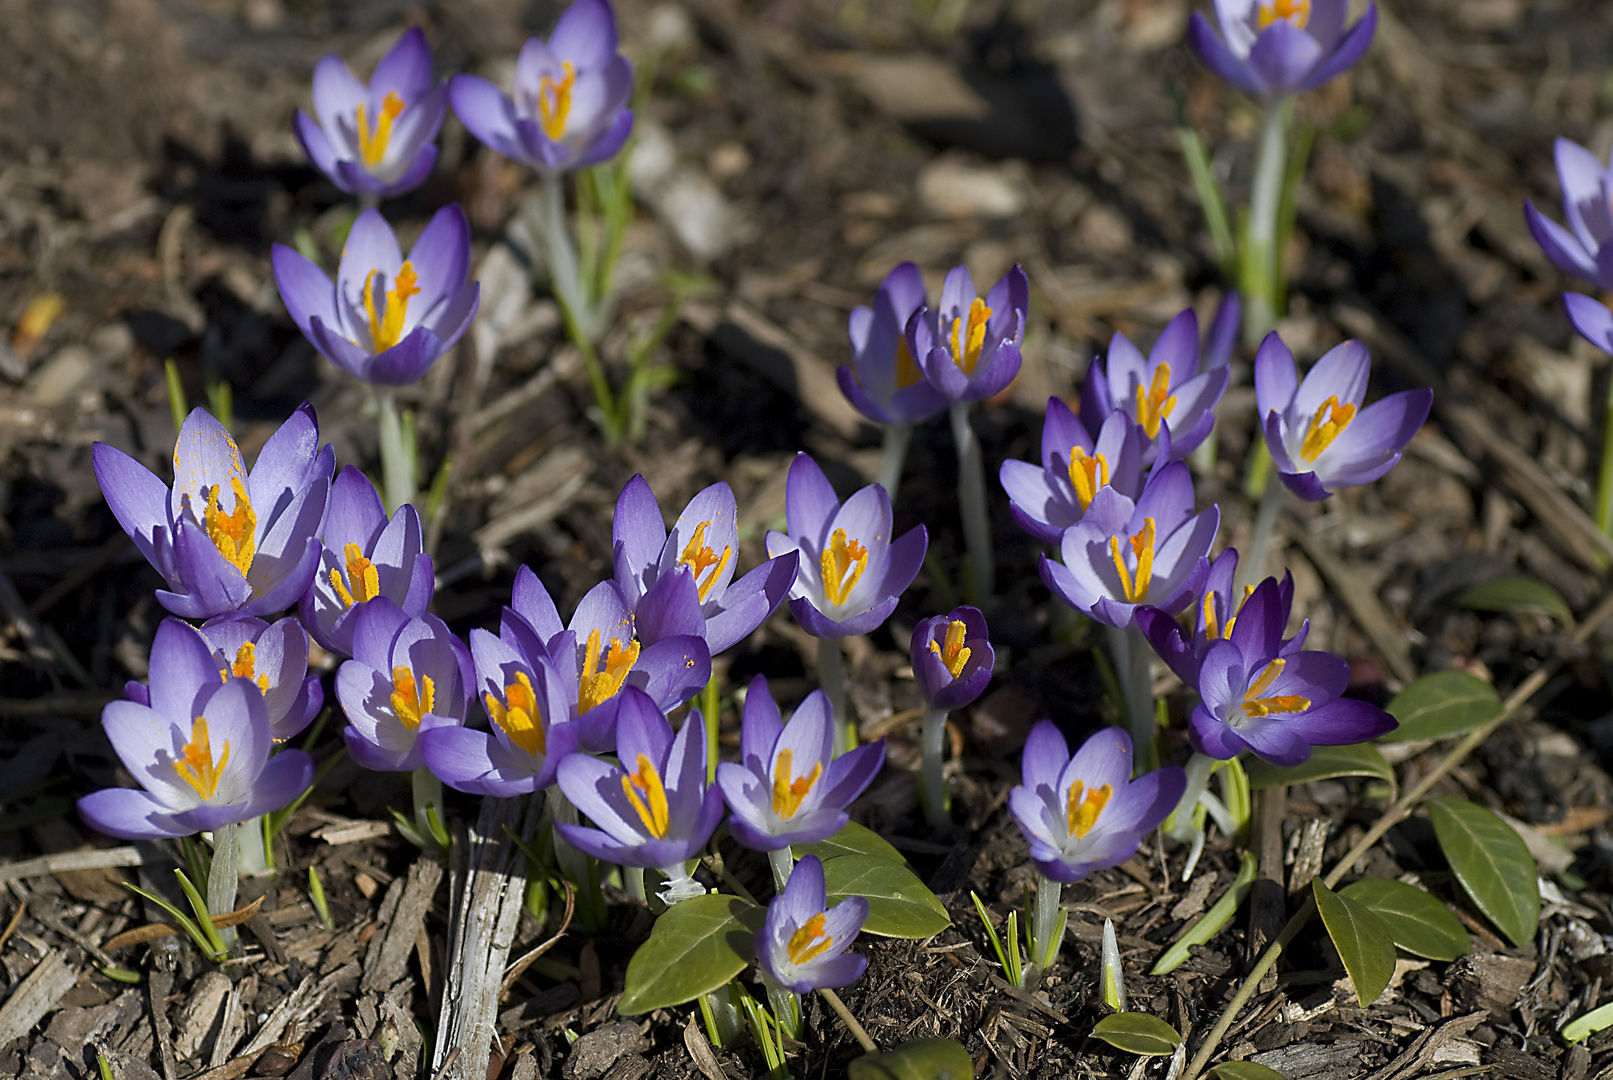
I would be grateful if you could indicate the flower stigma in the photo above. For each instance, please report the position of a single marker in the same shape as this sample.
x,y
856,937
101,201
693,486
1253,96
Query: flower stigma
x,y
956,654
196,765
1255,706
361,572
809,941
1155,403
517,714
599,682
645,791
1081,814
789,789
412,700
1135,589
372,140
966,352
699,558
842,563
1296,12
245,667
554,102
386,325
1328,424
235,533
1088,473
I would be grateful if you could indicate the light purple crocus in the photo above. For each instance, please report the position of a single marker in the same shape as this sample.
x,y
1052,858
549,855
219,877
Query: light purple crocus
x,y
654,809
407,676
197,744
1273,48
364,556
1222,336
226,541
1317,440
1124,553
1085,813
851,573
1591,318
386,319
886,384
1584,249
1047,498
788,787
704,541
376,139
1215,614
952,658
1167,395
274,656
802,944
968,345
570,106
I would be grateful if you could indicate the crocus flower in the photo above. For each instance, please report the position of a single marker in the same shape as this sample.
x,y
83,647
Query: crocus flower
x,y
1584,249
952,658
226,541
654,809
407,676
570,108
788,787
376,139
274,656
1084,813
364,556
887,385
1216,613
704,541
1591,318
1222,336
386,319
1274,48
851,573
1317,441
802,944
1167,396
968,346
1125,553
1047,498
532,732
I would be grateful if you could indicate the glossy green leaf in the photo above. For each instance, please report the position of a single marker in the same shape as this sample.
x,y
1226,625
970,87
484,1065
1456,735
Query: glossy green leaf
x,y
1582,1027
1137,1033
1416,921
696,947
1325,763
1212,921
921,1059
854,839
1361,938
1492,863
1442,705
898,903
1244,1070
1517,594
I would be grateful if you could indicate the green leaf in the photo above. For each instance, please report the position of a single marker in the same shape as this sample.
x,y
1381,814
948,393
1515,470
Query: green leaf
x,y
1492,863
1517,594
1244,1070
1582,1027
1416,921
1325,763
852,840
1210,924
921,1059
1361,939
1138,1033
696,947
899,905
1442,705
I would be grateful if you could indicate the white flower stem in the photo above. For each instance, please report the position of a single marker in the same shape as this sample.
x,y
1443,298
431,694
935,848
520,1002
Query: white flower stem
x,y
832,678
581,869
972,504
253,858
897,436
1252,561
222,877
932,747
1259,270
1046,928
1130,652
427,796
786,1009
782,862
565,277
633,880
397,460
1185,824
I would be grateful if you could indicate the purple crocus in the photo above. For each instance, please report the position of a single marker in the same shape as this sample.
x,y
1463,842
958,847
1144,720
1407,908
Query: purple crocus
x,y
654,809
704,541
1222,336
274,656
1124,553
1273,48
1167,396
1048,498
788,787
851,573
364,556
952,658
1317,441
1215,615
887,385
802,944
226,541
1584,249
376,139
968,346
570,106
407,676
1591,318
387,318
1085,813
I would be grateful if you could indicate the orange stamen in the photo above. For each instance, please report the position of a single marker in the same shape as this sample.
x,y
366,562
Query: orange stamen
x,y
699,558
956,654
1081,814
196,765
645,791
517,714
842,563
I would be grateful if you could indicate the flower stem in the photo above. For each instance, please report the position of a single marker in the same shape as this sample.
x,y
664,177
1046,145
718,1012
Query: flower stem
x,y
397,463
832,678
786,1010
428,804
581,869
253,857
782,861
972,504
1048,920
1259,276
569,291
1130,651
222,877
931,744
897,436
1252,563
1604,480
633,881
856,1029
1186,824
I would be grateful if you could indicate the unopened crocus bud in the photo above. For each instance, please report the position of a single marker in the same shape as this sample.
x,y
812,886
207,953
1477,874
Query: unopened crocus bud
x,y
968,345
952,658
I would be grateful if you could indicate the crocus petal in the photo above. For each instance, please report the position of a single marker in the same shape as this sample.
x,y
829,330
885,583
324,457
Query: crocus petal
x,y
129,814
286,775
406,67
304,288
1348,51
638,534
1282,56
748,602
810,501
1560,246
1590,317
138,500
486,113
1214,54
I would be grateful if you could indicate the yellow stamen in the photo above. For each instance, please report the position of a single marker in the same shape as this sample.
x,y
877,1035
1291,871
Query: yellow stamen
x,y
651,805
1297,12
554,103
1080,814
372,141
365,578
788,789
196,765
907,370
1087,475
969,336
517,714
1254,705
600,683
411,700
1211,630
386,325
245,667
1142,550
699,558
1328,423
842,563
1155,403
235,533
809,942
956,654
